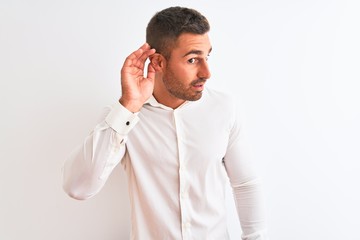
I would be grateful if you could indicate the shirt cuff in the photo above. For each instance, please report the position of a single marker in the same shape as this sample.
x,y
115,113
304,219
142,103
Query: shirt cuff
x,y
120,119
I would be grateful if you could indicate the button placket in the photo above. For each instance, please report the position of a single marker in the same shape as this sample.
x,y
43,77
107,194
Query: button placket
x,y
183,181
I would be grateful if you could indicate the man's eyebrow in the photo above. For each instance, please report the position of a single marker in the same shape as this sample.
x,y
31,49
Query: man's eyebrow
x,y
196,52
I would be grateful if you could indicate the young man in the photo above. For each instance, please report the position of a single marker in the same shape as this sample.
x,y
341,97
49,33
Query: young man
x,y
178,142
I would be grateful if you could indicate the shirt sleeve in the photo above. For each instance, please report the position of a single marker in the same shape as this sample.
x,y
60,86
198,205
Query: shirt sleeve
x,y
245,184
88,167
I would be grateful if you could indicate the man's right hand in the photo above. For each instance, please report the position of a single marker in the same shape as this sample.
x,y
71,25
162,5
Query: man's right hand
x,y
136,88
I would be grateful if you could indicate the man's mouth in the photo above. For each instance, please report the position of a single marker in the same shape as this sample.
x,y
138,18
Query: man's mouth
x,y
199,85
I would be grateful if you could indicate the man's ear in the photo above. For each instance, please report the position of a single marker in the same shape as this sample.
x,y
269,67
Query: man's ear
x,y
157,61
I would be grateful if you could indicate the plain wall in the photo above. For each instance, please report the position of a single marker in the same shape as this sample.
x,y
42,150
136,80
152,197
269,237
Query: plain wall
x,y
292,65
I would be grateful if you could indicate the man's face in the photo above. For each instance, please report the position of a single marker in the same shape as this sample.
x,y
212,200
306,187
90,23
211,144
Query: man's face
x,y
187,69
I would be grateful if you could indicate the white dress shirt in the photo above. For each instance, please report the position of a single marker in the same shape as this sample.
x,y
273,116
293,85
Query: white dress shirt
x,y
178,163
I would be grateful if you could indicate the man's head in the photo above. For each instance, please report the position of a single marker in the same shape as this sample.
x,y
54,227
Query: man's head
x,y
167,25
180,37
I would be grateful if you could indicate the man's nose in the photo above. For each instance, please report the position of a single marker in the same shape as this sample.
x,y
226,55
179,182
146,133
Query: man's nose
x,y
204,71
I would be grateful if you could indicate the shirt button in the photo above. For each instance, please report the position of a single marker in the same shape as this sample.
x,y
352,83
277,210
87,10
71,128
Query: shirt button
x,y
127,123
187,225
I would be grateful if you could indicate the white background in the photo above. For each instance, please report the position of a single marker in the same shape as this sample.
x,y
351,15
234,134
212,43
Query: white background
x,y
294,67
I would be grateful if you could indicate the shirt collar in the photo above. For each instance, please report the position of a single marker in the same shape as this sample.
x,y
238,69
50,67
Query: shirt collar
x,y
154,103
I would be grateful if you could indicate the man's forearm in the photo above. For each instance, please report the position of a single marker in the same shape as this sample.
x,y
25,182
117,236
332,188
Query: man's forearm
x,y
89,166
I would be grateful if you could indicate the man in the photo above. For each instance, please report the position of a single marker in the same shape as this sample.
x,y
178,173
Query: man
x,y
178,142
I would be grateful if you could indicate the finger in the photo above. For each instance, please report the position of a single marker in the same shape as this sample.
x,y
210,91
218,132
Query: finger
x,y
141,50
145,46
139,56
145,55
150,72
140,62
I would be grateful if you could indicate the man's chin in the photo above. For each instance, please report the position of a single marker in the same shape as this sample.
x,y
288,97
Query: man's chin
x,y
196,97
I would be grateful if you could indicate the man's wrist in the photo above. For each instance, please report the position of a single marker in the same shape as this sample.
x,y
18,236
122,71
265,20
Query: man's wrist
x,y
130,105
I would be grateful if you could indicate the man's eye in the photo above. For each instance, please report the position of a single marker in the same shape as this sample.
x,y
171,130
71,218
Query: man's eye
x,y
192,60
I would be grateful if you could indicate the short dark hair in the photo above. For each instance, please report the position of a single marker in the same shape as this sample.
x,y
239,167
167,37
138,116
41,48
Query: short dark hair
x,y
167,25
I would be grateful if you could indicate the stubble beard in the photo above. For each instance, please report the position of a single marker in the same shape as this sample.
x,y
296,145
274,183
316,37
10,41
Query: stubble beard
x,y
177,89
